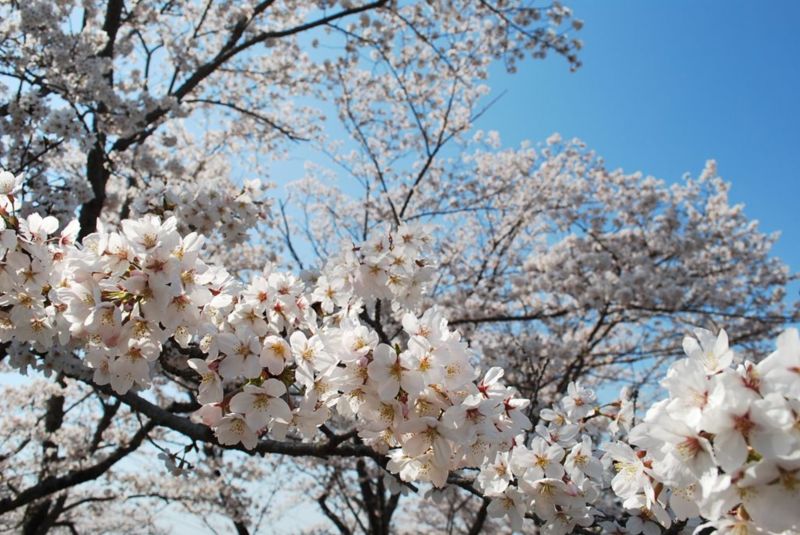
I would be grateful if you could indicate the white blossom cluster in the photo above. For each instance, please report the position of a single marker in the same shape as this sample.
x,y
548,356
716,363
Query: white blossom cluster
x,y
421,403
389,266
721,452
557,476
119,298
124,294
33,261
207,206
724,446
442,420
284,357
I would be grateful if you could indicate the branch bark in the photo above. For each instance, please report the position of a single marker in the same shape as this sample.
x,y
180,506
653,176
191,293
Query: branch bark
x,y
97,172
53,484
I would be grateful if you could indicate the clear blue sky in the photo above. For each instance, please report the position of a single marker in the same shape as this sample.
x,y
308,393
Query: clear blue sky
x,y
666,86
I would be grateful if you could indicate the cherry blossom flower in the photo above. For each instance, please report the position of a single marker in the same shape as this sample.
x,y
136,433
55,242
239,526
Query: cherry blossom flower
x,y
210,390
10,184
513,504
262,404
387,369
233,429
274,354
711,351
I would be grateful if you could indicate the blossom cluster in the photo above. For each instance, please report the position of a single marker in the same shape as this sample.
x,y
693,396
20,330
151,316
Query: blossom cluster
x,y
420,404
124,294
722,452
32,255
284,355
557,476
725,444
206,206
119,297
442,420
390,266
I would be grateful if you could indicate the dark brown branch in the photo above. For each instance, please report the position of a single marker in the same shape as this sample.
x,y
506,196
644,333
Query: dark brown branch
x,y
90,499
41,517
335,447
371,505
340,525
250,113
97,171
480,518
507,318
53,484
109,411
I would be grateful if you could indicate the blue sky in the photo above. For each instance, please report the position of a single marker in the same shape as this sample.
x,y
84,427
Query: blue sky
x,y
666,86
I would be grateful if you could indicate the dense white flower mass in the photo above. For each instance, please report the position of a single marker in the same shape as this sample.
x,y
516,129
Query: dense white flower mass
x,y
284,356
211,205
423,310
725,444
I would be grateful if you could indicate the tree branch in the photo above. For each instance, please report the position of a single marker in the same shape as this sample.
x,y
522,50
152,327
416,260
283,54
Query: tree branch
x,y
501,318
54,484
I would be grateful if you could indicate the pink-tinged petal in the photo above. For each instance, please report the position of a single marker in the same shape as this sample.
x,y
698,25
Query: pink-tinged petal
x,y
274,388
280,411
231,366
249,439
297,340
415,446
198,365
256,419
209,415
412,382
50,224
493,375
210,392
242,402
721,343
273,364
692,348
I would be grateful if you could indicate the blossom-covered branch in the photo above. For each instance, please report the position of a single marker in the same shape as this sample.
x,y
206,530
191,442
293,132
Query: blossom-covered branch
x,y
283,356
